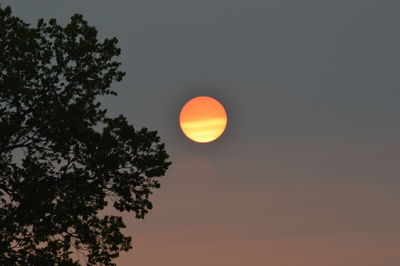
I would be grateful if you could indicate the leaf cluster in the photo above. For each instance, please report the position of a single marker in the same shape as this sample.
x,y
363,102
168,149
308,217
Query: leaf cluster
x,y
62,159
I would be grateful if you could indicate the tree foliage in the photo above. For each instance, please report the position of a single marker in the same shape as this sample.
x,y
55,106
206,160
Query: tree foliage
x,y
62,160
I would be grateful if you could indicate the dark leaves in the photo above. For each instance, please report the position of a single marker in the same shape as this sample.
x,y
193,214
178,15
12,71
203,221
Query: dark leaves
x,y
62,160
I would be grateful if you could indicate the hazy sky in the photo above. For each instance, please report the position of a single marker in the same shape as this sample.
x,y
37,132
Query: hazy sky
x,y
308,172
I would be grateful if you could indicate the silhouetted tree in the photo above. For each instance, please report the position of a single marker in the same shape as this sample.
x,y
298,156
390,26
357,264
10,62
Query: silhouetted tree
x,y
62,160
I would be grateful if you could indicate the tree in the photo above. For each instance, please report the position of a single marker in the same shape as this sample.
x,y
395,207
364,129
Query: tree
x,y
62,160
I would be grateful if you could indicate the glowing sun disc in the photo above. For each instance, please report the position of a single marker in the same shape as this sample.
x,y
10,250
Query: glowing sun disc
x,y
203,119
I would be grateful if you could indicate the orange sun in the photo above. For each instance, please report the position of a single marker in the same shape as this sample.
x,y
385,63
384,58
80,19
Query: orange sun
x,y
203,119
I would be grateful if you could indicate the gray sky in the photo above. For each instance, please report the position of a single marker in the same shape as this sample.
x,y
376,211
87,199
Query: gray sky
x,y
308,172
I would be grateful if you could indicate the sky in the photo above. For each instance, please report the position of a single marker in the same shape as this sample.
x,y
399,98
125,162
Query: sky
x,y
308,170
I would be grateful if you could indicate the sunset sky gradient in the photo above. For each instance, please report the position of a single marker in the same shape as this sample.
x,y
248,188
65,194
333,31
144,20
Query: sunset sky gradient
x,y
307,172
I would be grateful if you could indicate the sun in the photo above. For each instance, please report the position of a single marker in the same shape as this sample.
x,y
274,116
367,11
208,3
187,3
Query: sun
x,y
203,119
